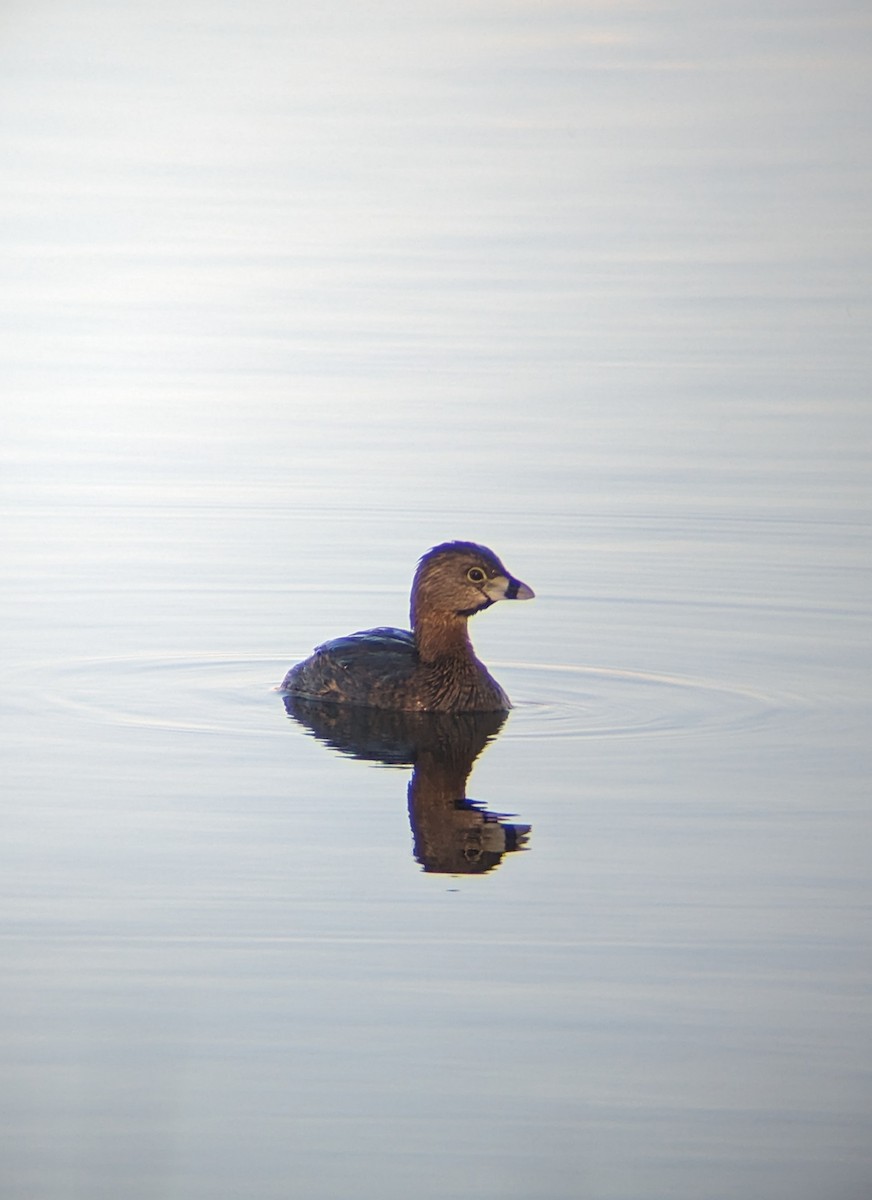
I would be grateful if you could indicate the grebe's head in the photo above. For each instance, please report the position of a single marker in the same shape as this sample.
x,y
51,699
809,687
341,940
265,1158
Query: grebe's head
x,y
458,579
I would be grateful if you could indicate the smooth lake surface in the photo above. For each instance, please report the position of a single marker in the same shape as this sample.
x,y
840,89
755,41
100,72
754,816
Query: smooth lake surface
x,y
291,293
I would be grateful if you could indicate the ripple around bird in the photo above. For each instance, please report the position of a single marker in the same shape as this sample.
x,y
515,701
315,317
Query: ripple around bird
x,y
235,696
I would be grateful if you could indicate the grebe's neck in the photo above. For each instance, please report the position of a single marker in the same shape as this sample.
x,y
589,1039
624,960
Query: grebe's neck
x,y
442,635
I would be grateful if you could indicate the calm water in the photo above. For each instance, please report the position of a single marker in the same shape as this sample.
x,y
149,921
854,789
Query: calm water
x,y
289,295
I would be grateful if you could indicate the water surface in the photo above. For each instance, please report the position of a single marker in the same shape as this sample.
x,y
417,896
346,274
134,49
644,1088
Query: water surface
x,y
289,296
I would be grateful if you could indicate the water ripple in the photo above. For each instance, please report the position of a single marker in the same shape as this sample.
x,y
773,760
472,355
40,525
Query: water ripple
x,y
237,696
593,702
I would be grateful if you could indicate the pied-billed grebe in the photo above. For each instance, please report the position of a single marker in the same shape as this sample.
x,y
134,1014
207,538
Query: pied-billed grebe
x,y
433,668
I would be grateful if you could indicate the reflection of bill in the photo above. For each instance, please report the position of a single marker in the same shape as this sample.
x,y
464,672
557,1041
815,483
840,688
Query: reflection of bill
x,y
452,834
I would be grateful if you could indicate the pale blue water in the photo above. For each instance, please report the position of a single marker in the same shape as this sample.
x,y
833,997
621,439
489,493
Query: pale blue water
x,y
290,295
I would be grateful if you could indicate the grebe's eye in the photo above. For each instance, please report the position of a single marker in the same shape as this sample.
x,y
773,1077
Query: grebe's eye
x,y
476,575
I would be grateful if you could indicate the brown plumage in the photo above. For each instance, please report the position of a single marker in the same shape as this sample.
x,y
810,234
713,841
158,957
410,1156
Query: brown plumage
x,y
433,668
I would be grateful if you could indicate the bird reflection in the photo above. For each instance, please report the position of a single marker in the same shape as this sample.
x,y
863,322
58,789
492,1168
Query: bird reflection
x,y
452,834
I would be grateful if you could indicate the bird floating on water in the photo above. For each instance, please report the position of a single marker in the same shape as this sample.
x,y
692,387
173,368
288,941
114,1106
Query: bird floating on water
x,y
432,667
